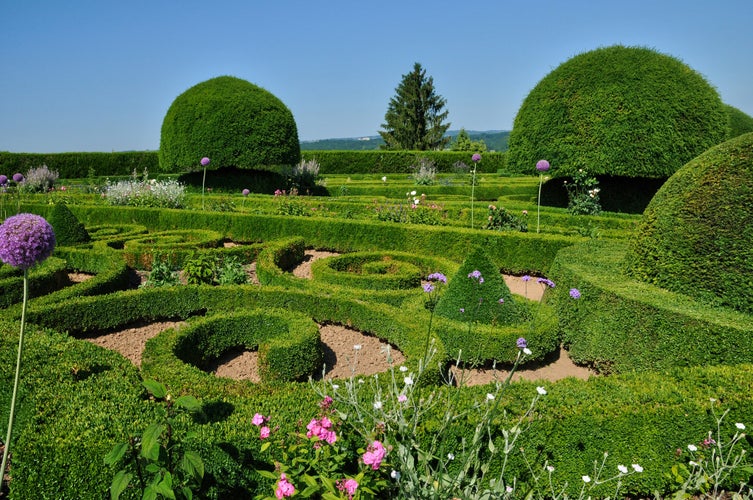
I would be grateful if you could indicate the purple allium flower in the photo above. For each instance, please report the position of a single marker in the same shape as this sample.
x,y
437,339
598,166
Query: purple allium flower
x,y
525,278
437,277
3,180
476,157
25,239
245,192
462,309
542,165
476,275
18,178
545,282
428,288
521,343
501,300
575,293
204,161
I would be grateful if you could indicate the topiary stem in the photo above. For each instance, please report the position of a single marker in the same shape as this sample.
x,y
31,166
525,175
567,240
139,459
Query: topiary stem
x,y
17,377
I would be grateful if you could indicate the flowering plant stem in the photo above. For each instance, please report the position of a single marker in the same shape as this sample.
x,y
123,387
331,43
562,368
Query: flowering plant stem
x,y
17,376
538,204
203,180
473,189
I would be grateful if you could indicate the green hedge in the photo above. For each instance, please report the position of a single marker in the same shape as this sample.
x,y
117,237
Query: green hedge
x,y
288,342
620,324
397,162
44,278
173,247
78,165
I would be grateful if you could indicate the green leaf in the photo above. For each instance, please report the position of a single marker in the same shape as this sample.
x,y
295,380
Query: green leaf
x,y
155,388
309,491
267,474
192,464
116,454
119,484
309,480
153,468
165,487
265,446
150,441
150,493
186,492
190,403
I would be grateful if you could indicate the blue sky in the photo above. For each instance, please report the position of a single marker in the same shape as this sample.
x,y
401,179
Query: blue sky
x,y
99,75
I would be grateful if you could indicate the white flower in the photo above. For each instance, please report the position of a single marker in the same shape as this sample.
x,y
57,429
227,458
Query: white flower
x,y
408,381
740,426
416,201
713,400
527,351
377,405
692,447
360,381
694,464
622,469
395,475
451,456
335,386
541,391
413,193
637,468
508,489
586,479
403,368
550,468
489,396
384,179
357,347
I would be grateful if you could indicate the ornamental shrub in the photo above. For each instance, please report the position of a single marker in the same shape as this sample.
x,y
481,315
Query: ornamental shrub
x,y
696,236
739,122
478,293
624,111
68,229
231,121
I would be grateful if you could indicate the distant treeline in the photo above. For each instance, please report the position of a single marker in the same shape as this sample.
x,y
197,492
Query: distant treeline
x,y
495,141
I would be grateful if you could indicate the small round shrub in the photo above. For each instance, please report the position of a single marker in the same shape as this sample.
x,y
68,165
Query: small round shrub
x,y
624,111
696,235
232,122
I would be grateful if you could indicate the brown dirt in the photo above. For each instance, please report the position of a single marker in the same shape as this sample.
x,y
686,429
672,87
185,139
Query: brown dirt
x,y
346,351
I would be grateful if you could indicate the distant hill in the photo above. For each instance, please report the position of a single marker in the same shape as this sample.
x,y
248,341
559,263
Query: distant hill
x,y
496,140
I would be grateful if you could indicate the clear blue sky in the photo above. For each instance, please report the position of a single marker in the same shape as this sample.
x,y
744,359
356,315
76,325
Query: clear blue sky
x,y
99,75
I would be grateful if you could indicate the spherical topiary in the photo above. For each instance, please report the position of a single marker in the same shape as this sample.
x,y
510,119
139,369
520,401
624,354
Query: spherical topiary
x,y
232,122
696,236
739,122
68,229
620,111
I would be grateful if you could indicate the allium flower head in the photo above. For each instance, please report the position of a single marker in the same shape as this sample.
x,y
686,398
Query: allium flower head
x,y
522,343
476,275
476,157
575,293
437,277
204,161
25,239
428,288
3,180
18,178
245,192
542,165
525,278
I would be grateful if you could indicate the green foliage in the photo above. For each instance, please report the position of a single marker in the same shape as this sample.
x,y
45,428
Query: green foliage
x,y
469,298
199,269
157,458
68,229
424,172
40,179
231,272
739,123
620,324
231,121
583,194
696,236
499,219
463,142
162,274
415,115
79,165
621,111
391,162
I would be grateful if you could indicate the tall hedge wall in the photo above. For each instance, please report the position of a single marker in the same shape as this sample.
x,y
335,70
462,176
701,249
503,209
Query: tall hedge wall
x,y
390,162
77,165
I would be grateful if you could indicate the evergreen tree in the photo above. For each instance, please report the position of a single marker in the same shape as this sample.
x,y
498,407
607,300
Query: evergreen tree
x,y
463,142
415,116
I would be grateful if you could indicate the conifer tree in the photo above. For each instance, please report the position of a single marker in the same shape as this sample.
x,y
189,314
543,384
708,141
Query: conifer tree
x,y
415,116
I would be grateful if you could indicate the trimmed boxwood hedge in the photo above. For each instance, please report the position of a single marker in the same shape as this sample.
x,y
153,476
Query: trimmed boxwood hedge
x,y
620,324
288,342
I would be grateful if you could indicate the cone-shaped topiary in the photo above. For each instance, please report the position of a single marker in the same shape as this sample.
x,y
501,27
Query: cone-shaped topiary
x,y
232,122
68,229
696,236
619,111
478,293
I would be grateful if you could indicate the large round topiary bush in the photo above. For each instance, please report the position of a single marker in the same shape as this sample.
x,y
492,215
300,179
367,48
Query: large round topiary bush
x,y
232,122
619,111
696,236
